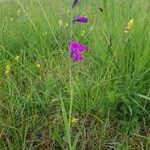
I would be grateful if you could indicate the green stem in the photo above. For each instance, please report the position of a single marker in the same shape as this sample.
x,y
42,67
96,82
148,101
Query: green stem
x,y
71,86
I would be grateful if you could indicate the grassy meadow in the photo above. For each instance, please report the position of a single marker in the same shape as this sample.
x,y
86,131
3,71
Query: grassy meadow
x,y
49,102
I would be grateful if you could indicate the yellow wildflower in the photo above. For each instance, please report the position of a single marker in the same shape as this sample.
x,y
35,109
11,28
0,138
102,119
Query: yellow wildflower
x,y
38,65
74,120
60,23
83,33
130,24
67,24
7,69
17,58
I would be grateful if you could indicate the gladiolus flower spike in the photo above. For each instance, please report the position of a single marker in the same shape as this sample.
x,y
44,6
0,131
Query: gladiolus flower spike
x,y
76,49
80,19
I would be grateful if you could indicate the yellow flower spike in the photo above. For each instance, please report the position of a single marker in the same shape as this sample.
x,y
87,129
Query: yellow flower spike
x,y
60,23
38,66
130,24
17,58
83,33
7,69
74,120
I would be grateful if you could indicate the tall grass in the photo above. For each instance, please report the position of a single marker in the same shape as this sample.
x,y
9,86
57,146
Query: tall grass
x,y
42,89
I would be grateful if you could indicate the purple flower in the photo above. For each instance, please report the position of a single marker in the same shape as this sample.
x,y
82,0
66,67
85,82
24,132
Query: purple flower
x,y
74,2
76,49
77,56
80,19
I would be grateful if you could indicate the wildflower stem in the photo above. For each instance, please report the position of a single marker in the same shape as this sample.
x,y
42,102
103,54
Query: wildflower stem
x,y
71,86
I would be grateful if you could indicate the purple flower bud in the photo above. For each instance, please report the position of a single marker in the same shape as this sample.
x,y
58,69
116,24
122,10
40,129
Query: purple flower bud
x,y
80,19
76,49
74,2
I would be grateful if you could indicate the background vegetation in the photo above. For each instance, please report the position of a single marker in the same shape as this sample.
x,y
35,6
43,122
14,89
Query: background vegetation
x,y
49,102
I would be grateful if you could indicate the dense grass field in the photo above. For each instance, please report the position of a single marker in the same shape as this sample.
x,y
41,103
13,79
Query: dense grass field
x,y
49,102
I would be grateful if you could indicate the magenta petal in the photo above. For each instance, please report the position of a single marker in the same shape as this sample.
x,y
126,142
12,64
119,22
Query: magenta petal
x,y
77,57
76,49
80,47
80,19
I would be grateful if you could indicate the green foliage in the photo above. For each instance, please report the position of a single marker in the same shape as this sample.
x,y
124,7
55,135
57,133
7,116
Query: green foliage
x,y
42,89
